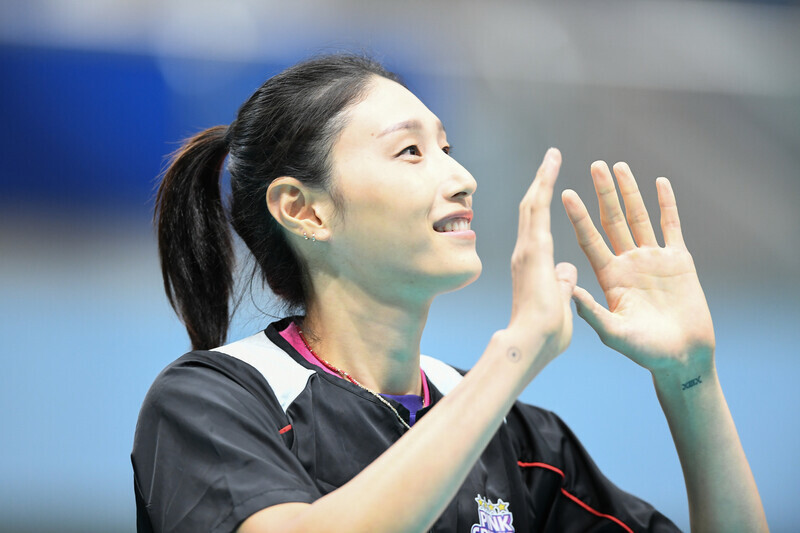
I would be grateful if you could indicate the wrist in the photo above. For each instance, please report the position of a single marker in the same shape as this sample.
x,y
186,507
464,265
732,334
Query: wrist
x,y
690,380
687,367
522,353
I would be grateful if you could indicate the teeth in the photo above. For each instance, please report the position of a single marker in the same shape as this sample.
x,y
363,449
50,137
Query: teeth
x,y
459,224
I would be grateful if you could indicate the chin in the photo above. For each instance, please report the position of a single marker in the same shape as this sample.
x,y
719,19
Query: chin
x,y
467,276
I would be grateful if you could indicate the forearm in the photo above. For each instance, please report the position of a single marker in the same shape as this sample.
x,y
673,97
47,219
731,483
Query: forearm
x,y
410,485
722,492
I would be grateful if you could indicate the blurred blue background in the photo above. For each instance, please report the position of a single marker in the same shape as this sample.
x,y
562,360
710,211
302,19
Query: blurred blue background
x,y
95,94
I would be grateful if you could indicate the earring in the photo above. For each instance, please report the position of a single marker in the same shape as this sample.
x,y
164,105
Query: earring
x,y
313,237
305,235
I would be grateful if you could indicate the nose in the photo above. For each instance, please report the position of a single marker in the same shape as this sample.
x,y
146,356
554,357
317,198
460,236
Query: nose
x,y
460,183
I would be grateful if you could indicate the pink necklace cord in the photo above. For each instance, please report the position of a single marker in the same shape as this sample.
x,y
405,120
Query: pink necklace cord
x,y
294,336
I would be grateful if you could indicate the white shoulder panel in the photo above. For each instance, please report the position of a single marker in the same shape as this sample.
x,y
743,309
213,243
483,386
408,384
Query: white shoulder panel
x,y
444,376
286,377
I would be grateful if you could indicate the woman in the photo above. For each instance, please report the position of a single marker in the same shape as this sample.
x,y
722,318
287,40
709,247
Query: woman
x,y
344,191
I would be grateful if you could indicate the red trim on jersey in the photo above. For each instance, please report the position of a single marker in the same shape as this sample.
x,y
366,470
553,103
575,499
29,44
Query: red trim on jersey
x,y
575,498
542,465
284,429
598,513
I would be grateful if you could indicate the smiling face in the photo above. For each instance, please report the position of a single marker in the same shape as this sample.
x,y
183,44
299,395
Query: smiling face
x,y
403,233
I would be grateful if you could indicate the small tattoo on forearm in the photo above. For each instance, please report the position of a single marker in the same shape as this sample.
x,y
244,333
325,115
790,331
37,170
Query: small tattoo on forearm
x,y
514,354
691,383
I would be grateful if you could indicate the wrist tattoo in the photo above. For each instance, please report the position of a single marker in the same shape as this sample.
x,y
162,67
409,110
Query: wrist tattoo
x,y
514,354
691,383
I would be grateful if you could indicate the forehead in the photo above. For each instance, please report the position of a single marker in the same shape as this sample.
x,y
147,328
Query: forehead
x,y
387,104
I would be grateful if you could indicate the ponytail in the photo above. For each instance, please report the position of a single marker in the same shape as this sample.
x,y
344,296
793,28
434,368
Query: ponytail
x,y
194,239
286,128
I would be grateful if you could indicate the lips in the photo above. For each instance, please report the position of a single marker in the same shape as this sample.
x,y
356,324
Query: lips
x,y
455,222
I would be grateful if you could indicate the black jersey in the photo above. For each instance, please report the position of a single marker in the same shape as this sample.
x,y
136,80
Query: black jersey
x,y
225,433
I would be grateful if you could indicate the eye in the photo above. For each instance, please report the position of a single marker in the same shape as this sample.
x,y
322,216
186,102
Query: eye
x,y
411,150
447,149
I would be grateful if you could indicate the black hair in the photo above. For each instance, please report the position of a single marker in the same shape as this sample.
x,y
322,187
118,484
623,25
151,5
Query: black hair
x,y
286,128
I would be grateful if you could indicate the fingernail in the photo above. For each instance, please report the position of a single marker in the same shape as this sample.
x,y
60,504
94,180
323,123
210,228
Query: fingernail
x,y
552,154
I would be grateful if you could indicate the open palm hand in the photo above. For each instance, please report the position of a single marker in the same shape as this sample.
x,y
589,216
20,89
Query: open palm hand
x,y
657,313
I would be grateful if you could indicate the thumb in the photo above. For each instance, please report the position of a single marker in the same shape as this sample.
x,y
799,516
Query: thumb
x,y
597,316
567,276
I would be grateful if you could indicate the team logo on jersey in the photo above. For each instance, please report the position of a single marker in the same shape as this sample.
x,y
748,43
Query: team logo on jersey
x,y
493,517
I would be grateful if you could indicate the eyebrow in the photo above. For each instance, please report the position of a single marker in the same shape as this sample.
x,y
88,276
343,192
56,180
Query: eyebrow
x,y
408,125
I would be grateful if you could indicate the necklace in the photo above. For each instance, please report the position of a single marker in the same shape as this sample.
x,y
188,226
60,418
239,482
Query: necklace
x,y
353,380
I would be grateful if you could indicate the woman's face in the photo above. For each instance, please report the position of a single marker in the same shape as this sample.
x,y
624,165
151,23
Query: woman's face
x,y
403,233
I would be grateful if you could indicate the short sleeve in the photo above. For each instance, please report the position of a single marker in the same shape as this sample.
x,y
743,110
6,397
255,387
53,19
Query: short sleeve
x,y
568,493
208,450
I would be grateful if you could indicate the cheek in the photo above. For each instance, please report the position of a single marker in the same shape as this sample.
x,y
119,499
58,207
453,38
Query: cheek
x,y
383,230
382,224
387,205
385,212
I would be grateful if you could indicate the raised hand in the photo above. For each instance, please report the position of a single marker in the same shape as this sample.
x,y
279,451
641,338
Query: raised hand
x,y
657,313
541,290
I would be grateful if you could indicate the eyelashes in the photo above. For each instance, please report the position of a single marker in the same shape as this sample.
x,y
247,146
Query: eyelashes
x,y
413,150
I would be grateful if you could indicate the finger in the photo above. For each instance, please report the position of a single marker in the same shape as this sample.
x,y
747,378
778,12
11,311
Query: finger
x,y
611,216
635,211
535,205
670,223
567,276
598,317
589,239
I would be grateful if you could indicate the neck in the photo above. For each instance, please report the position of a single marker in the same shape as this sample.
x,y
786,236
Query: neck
x,y
375,341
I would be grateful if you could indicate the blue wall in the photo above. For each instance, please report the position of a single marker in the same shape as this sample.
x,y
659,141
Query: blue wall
x,y
86,326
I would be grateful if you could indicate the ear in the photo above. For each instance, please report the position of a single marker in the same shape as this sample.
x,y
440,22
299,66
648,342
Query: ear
x,y
299,208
